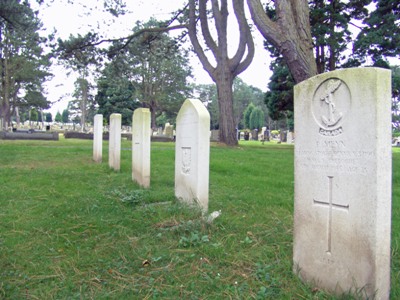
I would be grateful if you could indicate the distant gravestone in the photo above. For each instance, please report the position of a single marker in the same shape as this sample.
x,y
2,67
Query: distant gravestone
x,y
98,138
215,135
342,215
114,150
192,153
290,137
169,130
141,136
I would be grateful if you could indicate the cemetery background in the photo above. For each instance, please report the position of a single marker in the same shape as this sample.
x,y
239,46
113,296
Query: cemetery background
x,y
74,228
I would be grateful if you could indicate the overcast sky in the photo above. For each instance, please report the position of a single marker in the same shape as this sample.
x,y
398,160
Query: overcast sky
x,y
87,15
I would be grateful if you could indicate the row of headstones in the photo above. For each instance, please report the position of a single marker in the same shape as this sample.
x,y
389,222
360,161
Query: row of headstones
x,y
192,149
342,210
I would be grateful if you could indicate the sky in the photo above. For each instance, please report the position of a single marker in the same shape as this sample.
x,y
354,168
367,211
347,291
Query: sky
x,y
86,15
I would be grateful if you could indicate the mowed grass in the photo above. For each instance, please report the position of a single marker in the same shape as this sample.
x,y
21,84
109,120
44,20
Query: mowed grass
x,y
74,229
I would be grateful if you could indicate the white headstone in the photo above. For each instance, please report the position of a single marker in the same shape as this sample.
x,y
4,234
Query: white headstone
x,y
192,153
98,138
342,215
114,150
141,135
169,130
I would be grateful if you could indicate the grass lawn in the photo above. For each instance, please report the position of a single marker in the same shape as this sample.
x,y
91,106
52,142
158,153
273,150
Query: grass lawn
x,y
74,229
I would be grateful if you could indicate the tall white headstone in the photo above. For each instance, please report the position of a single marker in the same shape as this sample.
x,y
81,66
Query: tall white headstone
x,y
114,150
98,138
141,137
342,217
192,153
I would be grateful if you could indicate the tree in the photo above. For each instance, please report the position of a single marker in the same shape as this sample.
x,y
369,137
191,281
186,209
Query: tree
x,y
49,117
256,118
330,21
78,53
290,33
243,95
23,66
225,69
247,114
65,116
380,36
58,118
115,94
279,98
151,71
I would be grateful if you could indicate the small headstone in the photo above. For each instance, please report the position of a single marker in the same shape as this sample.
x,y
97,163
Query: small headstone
x,y
215,135
98,138
169,130
342,214
290,137
114,150
192,153
141,135
254,134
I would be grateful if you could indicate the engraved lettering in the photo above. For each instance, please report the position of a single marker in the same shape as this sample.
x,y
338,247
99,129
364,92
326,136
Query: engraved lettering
x,y
333,132
186,160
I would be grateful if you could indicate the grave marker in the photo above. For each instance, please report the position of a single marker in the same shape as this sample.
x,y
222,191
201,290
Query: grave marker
x,y
192,153
342,214
114,150
98,138
141,135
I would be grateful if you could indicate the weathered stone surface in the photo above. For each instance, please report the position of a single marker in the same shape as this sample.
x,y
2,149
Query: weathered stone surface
x,y
98,138
114,147
192,153
141,133
342,215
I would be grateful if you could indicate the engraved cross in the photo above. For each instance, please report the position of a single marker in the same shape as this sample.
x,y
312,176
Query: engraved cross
x,y
331,206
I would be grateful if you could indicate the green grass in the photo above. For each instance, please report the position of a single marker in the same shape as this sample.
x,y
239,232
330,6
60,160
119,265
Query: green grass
x,y
74,229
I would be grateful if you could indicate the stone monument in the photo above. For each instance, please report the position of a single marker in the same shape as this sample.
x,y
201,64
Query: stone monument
x,y
114,149
343,168
192,153
141,135
98,138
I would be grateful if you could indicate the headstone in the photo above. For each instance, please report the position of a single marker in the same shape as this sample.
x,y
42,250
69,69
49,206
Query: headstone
x,y
192,153
215,135
141,135
254,134
169,130
98,138
262,133
290,137
246,135
114,150
342,213
283,136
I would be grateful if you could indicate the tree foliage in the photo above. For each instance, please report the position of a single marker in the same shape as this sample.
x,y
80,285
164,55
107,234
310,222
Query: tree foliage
x,y
78,54
256,118
151,71
247,114
23,65
380,35
330,22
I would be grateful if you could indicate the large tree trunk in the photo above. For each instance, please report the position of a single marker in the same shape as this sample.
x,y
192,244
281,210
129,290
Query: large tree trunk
x,y
227,129
290,34
226,68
